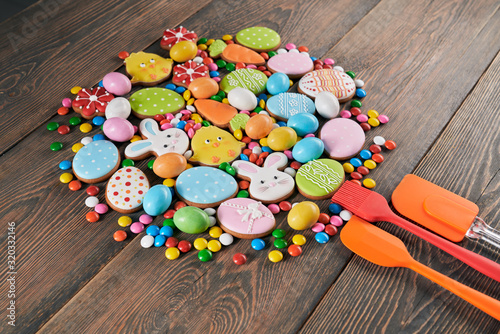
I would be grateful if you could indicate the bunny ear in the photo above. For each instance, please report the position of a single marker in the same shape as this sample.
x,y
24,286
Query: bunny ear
x,y
149,128
244,168
276,160
138,148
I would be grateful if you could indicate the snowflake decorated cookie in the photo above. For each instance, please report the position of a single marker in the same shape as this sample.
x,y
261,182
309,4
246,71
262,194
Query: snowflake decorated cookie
x,y
174,36
185,73
91,102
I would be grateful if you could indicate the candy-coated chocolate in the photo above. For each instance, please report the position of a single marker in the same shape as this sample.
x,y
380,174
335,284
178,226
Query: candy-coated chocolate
x,y
75,185
322,237
203,88
258,126
214,246
191,220
226,239
294,250
157,200
303,124
278,83
160,240
200,243
215,232
120,235
275,256
171,242
101,208
258,244
153,230
118,129
117,83
147,241
239,259
172,253
169,165
327,104
318,227
66,178
390,144
124,221
280,243
136,227
303,215
242,98
369,183
279,233
205,255
299,240
184,246
167,231
56,146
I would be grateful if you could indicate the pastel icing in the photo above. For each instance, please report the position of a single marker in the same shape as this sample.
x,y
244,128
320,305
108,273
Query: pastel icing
x,y
126,189
96,159
218,113
174,36
291,63
320,177
205,185
187,72
259,38
147,68
285,105
343,138
92,102
246,216
337,82
149,102
235,53
253,80
213,146
239,121
216,48
157,142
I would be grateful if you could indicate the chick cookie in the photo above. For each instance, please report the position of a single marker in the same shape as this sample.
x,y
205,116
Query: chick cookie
x,y
212,146
147,69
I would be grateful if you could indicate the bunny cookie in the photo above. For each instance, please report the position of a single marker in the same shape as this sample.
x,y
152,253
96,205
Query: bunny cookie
x,y
157,142
267,183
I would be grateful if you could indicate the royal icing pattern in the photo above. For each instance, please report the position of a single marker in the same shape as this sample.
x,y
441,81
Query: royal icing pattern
x,y
126,189
291,63
157,142
149,102
213,146
253,80
337,82
92,102
285,105
259,38
185,73
343,138
96,160
246,216
147,68
238,122
174,36
320,177
205,185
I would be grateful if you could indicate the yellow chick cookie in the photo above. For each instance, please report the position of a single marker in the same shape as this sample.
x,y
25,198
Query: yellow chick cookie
x,y
148,69
212,146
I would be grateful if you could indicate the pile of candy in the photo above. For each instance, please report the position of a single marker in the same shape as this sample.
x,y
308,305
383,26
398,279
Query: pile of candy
x,y
233,135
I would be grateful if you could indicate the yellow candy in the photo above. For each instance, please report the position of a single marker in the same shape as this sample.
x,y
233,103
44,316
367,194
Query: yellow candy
x,y
66,177
273,119
186,95
225,100
85,127
210,41
76,89
370,164
215,231
369,183
135,138
373,121
348,168
202,47
262,104
189,166
200,243
372,113
169,182
282,138
124,221
75,148
172,253
238,134
275,256
291,83
299,239
214,245
190,101
196,118
183,51
303,215
263,142
227,37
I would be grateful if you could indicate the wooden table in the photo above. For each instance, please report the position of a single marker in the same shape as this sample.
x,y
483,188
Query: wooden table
x,y
432,66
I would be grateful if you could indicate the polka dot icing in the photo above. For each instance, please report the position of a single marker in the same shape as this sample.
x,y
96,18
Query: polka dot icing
x,y
337,82
126,189
291,63
285,105
205,185
343,138
319,178
149,102
96,160
253,80
259,38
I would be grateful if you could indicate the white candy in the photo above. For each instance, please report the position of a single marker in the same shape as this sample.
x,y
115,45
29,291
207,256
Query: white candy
x,y
359,83
345,215
327,105
213,221
294,204
242,99
188,154
294,50
275,126
280,51
178,115
264,112
198,60
257,150
147,241
191,108
338,68
226,239
86,140
91,201
174,122
290,171
210,211
118,107
379,140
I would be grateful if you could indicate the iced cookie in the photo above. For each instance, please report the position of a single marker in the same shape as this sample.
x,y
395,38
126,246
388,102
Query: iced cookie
x,y
337,82
96,161
238,122
126,189
235,53
147,69
245,218
185,73
217,113
174,36
91,102
212,146
267,184
285,105
319,179
216,48
253,80
293,64
259,39
156,142
205,187
148,102
343,138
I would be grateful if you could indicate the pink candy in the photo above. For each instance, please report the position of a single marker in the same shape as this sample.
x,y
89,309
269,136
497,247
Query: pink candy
x,y
252,66
290,46
197,126
66,102
345,114
318,227
212,67
101,208
136,227
166,126
329,61
336,221
185,112
362,118
252,144
288,154
135,128
146,219
216,79
383,119
169,117
190,132
309,135
245,112
274,208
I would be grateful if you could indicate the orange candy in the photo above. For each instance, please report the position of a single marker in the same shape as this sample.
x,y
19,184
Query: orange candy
x,y
120,235
169,165
63,111
92,217
178,205
75,185
259,126
203,88
243,184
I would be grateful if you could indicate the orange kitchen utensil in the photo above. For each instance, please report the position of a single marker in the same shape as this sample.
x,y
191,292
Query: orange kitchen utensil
x,y
441,211
384,249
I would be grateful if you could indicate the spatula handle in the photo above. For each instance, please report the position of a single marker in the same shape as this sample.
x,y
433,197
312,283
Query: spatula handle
x,y
476,261
476,298
482,231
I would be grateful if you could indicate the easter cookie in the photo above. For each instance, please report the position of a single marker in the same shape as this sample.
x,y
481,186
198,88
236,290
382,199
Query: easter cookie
x,y
267,183
185,73
205,187
337,82
245,218
174,36
91,102
258,38
96,161
126,189
235,53
147,69
293,64
156,142
216,48
238,122
285,105
343,138
253,80
212,146
148,102
218,113
319,179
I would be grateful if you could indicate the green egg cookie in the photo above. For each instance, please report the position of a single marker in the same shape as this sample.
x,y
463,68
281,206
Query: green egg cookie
x,y
148,102
253,80
319,179
259,39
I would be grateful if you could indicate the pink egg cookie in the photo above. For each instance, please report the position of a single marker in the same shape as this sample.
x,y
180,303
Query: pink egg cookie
x,y
245,218
293,64
337,82
126,189
343,138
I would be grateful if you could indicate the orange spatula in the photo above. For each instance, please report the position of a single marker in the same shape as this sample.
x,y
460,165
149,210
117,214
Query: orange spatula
x,y
441,211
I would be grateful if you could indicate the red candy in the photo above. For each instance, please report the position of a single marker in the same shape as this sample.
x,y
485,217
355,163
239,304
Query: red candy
x,y
75,185
123,55
355,111
159,117
267,73
331,229
329,67
264,55
365,126
356,175
246,140
178,205
184,246
375,149
253,157
318,67
63,111
358,182
263,155
324,218
390,144
63,129
239,259
261,68
169,214
259,162
295,165
378,158
207,60
240,66
171,242
285,206
92,217
243,184
93,190
303,49
363,170
294,250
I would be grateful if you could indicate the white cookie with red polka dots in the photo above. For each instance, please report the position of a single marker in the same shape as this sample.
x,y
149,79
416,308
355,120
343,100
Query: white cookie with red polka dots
x,y
126,189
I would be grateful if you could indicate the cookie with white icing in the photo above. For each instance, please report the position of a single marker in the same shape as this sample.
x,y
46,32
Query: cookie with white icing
x,y
126,189
343,138
320,179
285,105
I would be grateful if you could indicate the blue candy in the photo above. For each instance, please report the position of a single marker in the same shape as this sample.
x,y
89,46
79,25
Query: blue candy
x,y
258,244
167,231
322,237
266,149
243,157
334,208
278,83
365,154
360,93
181,124
64,165
214,74
157,200
171,86
98,136
153,230
180,90
98,120
160,240
356,162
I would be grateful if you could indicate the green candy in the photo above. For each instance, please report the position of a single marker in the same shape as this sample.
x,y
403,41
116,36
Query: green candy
x,y
192,220
151,163
356,103
230,170
221,94
351,74
242,194
169,222
205,123
216,48
272,53
52,126
239,121
202,41
205,255
221,63
75,120
56,146
216,98
280,243
230,67
279,233
224,165
127,163
258,110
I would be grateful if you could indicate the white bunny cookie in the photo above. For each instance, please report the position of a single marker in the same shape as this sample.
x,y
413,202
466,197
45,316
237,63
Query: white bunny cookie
x,y
267,183
157,142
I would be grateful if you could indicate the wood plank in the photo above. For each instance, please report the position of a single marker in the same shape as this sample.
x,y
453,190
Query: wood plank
x,y
71,252
419,58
